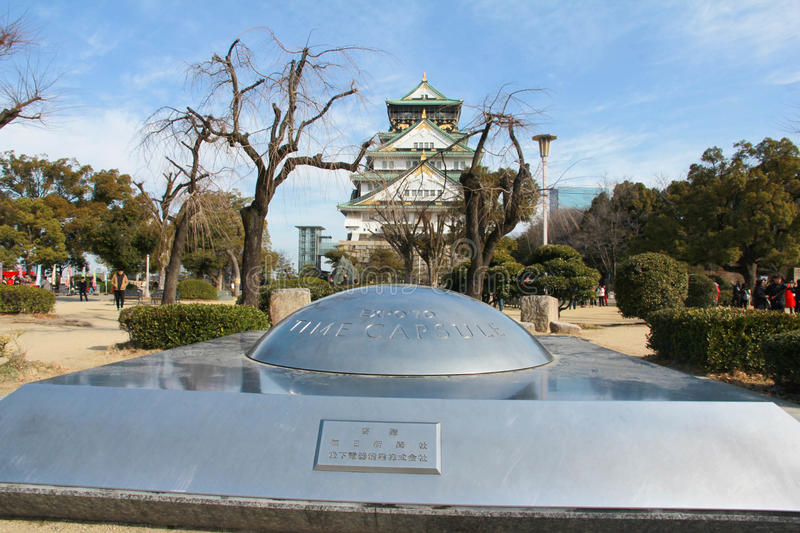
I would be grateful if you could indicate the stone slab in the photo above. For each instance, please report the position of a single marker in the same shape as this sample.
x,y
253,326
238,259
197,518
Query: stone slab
x,y
284,302
564,327
262,515
210,412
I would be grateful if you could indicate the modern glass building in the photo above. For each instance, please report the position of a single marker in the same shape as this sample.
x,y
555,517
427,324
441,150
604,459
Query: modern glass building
x,y
573,197
311,246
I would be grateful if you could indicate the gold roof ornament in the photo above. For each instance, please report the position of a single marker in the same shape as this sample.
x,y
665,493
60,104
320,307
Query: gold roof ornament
x,y
424,113
424,77
423,157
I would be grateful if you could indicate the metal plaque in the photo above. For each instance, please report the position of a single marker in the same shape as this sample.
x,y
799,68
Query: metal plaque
x,y
393,447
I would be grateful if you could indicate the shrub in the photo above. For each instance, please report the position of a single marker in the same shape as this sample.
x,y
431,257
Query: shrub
x,y
702,292
197,289
559,271
649,282
168,326
781,355
20,299
319,289
717,339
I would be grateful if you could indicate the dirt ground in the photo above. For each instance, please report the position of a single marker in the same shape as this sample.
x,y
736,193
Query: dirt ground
x,y
81,335
605,327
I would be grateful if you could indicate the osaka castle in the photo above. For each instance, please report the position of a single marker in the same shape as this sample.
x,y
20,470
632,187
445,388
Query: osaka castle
x,y
413,171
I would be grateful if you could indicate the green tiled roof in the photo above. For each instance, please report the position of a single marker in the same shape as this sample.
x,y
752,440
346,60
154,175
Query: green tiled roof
x,y
351,203
454,138
420,84
427,205
429,101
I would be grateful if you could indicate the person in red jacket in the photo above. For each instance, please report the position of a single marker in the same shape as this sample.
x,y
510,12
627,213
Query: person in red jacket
x,y
789,296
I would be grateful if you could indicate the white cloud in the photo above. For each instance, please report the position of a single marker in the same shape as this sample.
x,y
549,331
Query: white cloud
x,y
104,139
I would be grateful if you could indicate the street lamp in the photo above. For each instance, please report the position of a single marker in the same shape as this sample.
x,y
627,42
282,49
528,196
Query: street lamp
x,y
544,151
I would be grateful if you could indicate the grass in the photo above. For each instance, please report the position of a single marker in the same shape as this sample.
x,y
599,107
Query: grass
x,y
14,365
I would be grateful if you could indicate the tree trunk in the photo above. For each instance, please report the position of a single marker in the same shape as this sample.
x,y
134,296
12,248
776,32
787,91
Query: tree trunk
x,y
475,277
174,267
750,274
408,263
237,280
253,223
162,275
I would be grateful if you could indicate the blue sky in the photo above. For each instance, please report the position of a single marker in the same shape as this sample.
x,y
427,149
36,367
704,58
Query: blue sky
x,y
634,90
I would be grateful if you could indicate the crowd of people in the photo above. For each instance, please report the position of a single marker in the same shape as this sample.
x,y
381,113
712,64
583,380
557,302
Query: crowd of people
x,y
776,294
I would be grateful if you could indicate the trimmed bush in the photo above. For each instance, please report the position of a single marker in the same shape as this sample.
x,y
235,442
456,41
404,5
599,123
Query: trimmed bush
x,y
20,299
319,289
702,292
781,355
168,326
649,282
196,289
717,339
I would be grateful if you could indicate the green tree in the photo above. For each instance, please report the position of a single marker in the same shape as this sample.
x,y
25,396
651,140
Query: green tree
x,y
78,197
559,271
30,232
334,256
125,235
611,223
738,212
385,260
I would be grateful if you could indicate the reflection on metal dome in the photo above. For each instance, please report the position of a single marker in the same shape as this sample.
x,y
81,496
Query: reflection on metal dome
x,y
400,330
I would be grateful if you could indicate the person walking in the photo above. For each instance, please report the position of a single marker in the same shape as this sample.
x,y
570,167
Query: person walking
x,y
119,282
82,289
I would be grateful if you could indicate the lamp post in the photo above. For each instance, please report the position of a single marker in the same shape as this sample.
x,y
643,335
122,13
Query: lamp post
x,y
544,151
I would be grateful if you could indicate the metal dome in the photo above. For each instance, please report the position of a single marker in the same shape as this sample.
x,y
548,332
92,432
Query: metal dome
x,y
400,330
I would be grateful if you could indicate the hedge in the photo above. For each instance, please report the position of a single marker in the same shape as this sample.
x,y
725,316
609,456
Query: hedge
x,y
21,299
702,292
717,339
781,355
197,289
319,289
168,326
649,282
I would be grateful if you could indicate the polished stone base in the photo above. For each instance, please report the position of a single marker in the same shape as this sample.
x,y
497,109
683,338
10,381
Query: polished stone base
x,y
202,436
258,514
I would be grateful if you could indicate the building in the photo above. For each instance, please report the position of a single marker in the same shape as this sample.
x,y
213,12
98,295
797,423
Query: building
x,y
573,197
311,246
414,169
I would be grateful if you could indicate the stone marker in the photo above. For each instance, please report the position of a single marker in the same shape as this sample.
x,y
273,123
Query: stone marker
x,y
564,327
530,327
284,302
541,310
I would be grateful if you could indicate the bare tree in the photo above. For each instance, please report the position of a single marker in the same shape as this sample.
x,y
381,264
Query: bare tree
x,y
161,211
414,221
437,233
25,91
494,203
298,94
168,125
